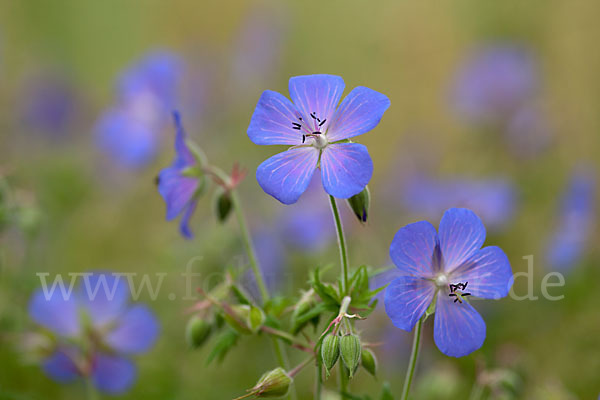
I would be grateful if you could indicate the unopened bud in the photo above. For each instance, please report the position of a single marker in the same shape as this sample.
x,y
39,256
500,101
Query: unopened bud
x,y
197,331
223,205
274,383
350,350
369,362
237,317
359,203
330,351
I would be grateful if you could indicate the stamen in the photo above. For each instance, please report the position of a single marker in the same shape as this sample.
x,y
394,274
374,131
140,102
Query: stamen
x,y
322,122
458,294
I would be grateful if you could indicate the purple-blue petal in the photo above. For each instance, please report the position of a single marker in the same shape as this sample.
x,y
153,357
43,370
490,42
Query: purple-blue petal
x,y
461,234
185,157
184,224
135,332
272,121
57,311
458,328
359,112
105,296
346,168
176,190
415,251
406,300
60,366
286,175
112,374
319,95
488,273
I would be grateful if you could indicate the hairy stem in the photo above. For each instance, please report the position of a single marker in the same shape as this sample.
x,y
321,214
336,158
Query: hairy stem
x,y
413,359
341,244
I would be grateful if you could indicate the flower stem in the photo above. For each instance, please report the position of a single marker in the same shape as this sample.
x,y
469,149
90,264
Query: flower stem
x,y
341,244
413,359
247,240
91,392
343,379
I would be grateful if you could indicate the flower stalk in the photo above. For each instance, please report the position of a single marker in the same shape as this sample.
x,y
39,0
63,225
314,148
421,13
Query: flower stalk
x,y
341,244
413,359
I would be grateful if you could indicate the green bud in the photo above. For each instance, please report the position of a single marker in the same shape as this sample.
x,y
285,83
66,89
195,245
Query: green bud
x,y
244,318
274,383
369,362
197,331
256,318
237,317
223,205
350,350
359,204
330,351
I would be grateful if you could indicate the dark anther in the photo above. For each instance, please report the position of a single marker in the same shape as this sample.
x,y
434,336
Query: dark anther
x,y
459,295
303,138
322,122
316,133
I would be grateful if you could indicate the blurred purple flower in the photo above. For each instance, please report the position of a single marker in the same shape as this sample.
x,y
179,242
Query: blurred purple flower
x,y
177,190
446,266
494,82
576,221
96,329
492,199
48,103
129,132
258,46
316,129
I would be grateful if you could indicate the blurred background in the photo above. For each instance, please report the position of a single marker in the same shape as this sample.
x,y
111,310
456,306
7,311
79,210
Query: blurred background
x,y
494,107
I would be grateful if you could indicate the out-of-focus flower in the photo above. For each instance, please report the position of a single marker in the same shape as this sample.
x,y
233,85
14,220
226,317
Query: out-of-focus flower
x,y
95,329
129,131
258,46
576,221
48,103
447,265
494,82
317,133
492,199
178,189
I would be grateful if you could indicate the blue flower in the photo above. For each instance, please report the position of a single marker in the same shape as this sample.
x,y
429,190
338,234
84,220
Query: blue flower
x,y
96,330
447,266
129,131
568,242
317,133
494,82
179,191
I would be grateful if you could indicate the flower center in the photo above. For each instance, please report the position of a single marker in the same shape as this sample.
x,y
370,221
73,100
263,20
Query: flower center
x,y
312,129
441,280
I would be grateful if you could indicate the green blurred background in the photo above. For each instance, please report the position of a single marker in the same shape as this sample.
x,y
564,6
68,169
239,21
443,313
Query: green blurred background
x,y
83,215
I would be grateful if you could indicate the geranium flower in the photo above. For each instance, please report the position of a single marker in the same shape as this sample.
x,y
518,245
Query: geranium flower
x,y
448,266
95,330
494,82
318,135
576,220
129,131
179,191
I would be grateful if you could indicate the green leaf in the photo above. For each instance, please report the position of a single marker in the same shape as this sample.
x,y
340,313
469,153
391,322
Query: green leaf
x,y
225,342
240,294
299,321
326,292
